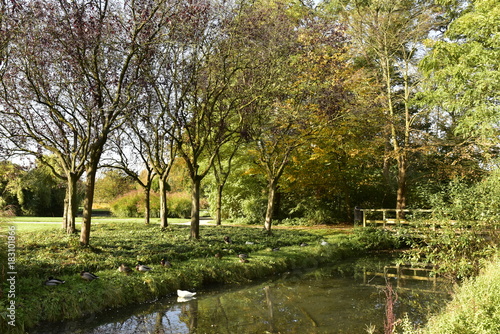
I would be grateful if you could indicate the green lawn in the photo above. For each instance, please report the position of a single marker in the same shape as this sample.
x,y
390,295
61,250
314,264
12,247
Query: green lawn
x,y
25,224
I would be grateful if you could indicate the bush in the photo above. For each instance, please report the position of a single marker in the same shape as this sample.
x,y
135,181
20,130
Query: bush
x,y
127,205
254,210
179,205
467,215
132,205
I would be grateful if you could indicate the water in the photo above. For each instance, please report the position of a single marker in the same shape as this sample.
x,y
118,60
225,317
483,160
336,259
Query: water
x,y
340,299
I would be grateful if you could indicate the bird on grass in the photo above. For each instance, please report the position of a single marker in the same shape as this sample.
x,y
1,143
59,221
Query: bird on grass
x,y
88,276
185,294
303,244
165,263
243,256
124,269
227,240
54,281
141,267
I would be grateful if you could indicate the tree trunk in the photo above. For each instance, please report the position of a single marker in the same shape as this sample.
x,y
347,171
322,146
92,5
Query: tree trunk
x,y
163,202
88,202
401,193
147,205
218,211
195,208
270,206
70,204
64,225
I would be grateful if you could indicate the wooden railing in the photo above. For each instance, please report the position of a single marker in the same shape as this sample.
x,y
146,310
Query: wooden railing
x,y
386,220
403,272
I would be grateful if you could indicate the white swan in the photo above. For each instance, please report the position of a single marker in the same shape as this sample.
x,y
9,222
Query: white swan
x,y
185,294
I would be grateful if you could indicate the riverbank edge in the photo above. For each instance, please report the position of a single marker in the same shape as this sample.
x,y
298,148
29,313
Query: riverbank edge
x,y
113,289
475,307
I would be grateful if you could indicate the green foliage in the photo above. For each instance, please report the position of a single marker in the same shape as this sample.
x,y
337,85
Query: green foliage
x,y
179,205
475,307
242,193
112,184
373,238
37,192
127,205
468,202
459,252
463,71
466,217
132,205
253,210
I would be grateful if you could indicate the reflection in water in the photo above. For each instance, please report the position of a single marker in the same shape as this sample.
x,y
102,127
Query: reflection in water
x,y
320,301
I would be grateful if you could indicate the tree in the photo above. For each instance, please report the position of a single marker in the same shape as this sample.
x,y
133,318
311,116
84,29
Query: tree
x,y
129,153
303,90
72,80
196,65
388,35
463,74
222,168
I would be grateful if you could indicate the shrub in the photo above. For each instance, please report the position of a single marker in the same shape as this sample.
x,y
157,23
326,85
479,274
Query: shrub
x,y
132,205
179,205
127,205
254,210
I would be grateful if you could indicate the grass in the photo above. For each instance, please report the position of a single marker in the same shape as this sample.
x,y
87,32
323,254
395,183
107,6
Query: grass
x,y
43,250
475,308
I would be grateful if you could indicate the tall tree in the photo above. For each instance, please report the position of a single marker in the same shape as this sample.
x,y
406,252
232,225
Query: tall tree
x,y
72,80
222,168
195,67
303,92
388,35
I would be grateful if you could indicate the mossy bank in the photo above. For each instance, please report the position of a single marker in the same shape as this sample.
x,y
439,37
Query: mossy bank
x,y
52,253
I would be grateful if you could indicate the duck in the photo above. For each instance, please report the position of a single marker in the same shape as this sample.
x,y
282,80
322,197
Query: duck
x,y
185,294
124,269
88,276
54,281
165,263
243,256
141,267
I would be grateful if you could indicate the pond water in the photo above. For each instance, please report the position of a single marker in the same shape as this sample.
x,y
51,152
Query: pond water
x,y
346,298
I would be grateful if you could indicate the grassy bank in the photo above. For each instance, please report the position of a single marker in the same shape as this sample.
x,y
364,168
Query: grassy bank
x,y
475,308
50,252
